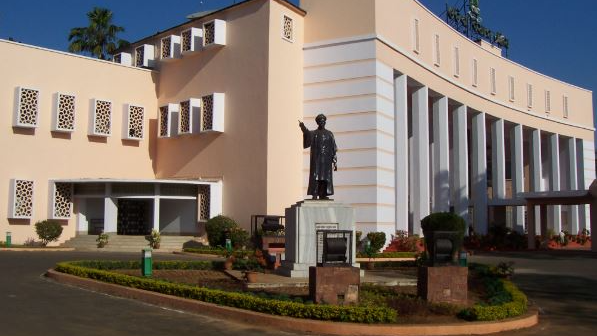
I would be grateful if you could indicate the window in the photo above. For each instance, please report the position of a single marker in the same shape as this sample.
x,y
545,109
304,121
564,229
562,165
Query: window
x,y
492,79
529,95
204,194
27,108
102,118
144,56
62,201
214,33
170,47
416,44
547,101
212,112
21,198
189,116
437,60
565,107
64,119
287,28
511,88
168,120
190,40
135,121
475,73
456,62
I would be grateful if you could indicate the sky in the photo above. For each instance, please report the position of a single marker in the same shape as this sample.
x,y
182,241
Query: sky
x,y
553,37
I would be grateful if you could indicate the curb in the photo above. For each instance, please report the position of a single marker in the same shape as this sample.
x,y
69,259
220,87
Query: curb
x,y
40,249
294,324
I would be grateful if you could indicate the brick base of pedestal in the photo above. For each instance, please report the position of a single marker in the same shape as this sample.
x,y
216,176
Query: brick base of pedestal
x,y
447,284
334,285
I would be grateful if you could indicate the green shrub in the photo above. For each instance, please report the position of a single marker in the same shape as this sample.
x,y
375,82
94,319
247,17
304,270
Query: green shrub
x,y
377,239
216,229
48,231
444,221
390,255
239,237
230,299
219,251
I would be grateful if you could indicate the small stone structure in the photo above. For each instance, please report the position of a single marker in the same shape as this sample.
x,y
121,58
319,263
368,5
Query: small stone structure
x,y
447,284
334,285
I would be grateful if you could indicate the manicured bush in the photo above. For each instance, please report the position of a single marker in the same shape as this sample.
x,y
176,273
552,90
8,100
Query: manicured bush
x,y
219,226
444,221
390,255
219,251
230,299
48,231
377,239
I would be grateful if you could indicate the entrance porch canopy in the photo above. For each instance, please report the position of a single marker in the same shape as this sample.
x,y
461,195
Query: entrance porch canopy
x,y
567,197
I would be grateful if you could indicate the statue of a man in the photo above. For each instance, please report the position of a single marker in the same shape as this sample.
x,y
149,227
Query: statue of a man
x,y
323,158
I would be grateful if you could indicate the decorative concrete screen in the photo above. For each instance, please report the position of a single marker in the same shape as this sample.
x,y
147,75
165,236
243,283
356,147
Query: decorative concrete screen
x,y
168,120
64,117
135,120
102,116
212,116
189,116
62,201
170,47
191,40
214,33
145,56
27,108
287,28
21,199
123,58
204,201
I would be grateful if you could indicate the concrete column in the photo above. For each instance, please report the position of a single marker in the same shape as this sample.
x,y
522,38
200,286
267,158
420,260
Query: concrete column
x,y
421,192
498,159
536,169
555,211
401,151
573,183
583,210
516,144
460,195
531,227
110,211
479,173
441,153
156,206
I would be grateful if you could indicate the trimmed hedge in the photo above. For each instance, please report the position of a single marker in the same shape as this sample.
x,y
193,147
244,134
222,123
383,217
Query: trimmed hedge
x,y
218,251
389,255
230,299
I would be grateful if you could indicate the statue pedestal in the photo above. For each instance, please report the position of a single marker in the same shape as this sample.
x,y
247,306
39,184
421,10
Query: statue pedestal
x,y
303,219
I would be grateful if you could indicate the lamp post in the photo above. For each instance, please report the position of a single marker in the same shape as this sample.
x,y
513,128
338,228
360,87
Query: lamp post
x,y
146,262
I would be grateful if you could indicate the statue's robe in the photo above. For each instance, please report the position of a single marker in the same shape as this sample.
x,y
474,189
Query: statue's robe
x,y
323,151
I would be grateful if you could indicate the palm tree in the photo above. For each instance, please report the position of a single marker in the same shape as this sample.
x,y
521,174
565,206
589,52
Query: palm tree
x,y
99,38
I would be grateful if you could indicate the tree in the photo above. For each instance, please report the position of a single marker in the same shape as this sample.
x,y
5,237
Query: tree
x,y
99,38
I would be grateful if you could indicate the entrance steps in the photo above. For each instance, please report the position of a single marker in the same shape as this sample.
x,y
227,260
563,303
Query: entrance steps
x,y
117,243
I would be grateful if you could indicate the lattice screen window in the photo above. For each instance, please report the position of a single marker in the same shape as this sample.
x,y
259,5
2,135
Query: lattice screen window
x,y
492,81
475,73
511,88
287,28
565,107
166,47
21,198
204,202
136,118
186,40
529,95
185,117
102,118
27,108
436,48
164,121
209,33
207,102
416,43
547,101
62,201
117,58
65,113
139,56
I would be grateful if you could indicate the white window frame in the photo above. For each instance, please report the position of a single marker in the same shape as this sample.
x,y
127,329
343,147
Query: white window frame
x,y
529,95
56,113
492,81
437,57
456,61
13,199
94,118
17,113
511,88
291,39
547,101
565,106
127,123
416,36
475,72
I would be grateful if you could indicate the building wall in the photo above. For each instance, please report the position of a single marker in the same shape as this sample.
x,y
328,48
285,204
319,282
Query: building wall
x,y
40,155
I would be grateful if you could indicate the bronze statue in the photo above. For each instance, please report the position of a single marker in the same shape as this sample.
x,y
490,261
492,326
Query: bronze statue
x,y
323,158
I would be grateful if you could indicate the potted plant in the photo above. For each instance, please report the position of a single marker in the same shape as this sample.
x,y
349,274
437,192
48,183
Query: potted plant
x,y
102,240
254,265
444,236
154,239
230,259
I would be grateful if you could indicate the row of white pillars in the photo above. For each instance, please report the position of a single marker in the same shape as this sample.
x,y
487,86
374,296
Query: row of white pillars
x,y
450,188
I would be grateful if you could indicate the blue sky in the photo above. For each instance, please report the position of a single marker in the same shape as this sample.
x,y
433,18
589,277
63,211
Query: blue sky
x,y
562,32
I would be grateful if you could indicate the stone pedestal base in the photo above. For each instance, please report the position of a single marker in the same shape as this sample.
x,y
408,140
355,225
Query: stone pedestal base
x,y
302,221
334,285
447,284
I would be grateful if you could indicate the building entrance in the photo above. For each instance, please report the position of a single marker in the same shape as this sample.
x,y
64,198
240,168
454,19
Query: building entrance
x,y
134,217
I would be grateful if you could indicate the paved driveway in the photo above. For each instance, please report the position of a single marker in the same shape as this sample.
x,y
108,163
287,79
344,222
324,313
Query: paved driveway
x,y
563,286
